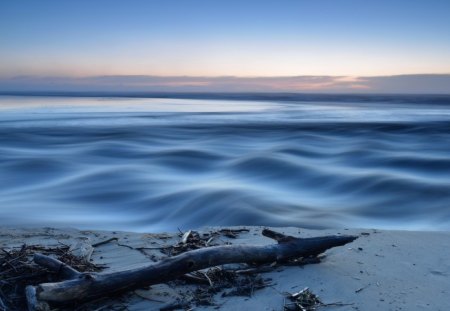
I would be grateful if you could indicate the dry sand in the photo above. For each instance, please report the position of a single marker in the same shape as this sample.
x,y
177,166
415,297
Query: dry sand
x,y
382,270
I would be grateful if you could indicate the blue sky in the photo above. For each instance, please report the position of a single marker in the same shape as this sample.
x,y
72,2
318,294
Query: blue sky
x,y
224,38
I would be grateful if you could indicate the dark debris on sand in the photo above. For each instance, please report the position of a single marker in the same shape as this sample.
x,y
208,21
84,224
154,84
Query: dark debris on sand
x,y
17,270
303,300
217,280
306,300
191,240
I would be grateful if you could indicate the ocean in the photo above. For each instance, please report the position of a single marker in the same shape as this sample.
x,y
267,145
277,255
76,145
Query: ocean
x,y
156,164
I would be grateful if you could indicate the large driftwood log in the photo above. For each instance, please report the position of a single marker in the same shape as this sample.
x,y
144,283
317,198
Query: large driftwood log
x,y
86,286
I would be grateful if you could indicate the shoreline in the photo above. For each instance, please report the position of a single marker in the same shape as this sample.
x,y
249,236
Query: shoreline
x,y
381,270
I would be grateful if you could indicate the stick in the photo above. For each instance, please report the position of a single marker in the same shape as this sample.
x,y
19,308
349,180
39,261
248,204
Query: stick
x,y
88,286
53,264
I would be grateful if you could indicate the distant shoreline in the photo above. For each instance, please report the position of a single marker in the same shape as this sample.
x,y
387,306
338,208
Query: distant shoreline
x,y
256,96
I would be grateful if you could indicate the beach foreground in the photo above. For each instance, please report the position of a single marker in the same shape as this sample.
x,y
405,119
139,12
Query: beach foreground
x,y
381,270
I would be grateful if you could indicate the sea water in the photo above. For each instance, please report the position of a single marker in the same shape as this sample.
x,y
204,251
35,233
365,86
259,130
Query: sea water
x,y
152,164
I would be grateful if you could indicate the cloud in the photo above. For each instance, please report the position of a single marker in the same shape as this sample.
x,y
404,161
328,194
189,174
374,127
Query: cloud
x,y
409,84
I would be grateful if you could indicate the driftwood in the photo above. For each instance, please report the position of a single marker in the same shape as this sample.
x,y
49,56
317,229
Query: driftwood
x,y
87,286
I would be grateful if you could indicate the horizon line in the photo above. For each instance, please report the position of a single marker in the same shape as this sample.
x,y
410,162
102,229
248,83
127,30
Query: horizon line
x,y
398,84
218,76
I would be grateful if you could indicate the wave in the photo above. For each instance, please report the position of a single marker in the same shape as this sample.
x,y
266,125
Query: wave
x,y
285,166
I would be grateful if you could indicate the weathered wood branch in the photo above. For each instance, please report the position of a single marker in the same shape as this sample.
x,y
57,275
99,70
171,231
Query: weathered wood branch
x,y
52,264
86,286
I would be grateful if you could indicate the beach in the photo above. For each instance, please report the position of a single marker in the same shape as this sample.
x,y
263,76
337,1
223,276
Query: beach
x,y
381,270
141,172
224,155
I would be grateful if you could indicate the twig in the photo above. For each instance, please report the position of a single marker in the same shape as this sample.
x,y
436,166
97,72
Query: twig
x,y
192,278
362,288
185,237
260,269
2,305
207,277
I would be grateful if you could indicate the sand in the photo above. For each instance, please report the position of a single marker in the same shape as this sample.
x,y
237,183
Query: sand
x,y
381,270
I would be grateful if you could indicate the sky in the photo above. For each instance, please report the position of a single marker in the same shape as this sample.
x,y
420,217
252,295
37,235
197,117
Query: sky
x,y
339,40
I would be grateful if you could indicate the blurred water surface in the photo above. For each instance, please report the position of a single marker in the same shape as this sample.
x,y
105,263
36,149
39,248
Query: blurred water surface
x,y
147,164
